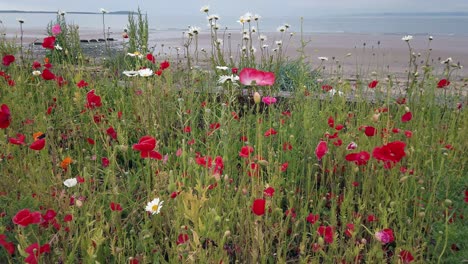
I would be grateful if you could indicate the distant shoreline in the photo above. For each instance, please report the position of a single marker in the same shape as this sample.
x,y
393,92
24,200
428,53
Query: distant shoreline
x,y
71,12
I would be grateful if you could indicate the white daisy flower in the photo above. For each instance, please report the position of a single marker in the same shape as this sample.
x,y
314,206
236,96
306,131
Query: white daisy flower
x,y
205,9
446,61
281,29
20,20
57,47
223,68
407,38
323,58
154,207
130,73
224,78
262,38
279,42
36,73
70,182
102,10
145,72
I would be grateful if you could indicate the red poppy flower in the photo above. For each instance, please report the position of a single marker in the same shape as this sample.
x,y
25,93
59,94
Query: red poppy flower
x,y
270,132
115,206
34,251
19,140
47,75
68,218
25,217
60,81
321,150
91,141
326,232
405,256
219,165
408,134
182,239
370,131
5,116
81,84
164,65
36,65
327,88
270,191
105,162
284,166
287,146
249,76
49,42
406,117
38,144
234,70
93,100
145,146
443,83
349,230
331,122
151,58
373,84
311,218
258,207
390,153
359,158
158,72
49,215
8,59
9,246
245,151
112,133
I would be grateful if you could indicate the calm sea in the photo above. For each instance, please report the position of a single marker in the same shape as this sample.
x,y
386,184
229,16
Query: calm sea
x,y
364,24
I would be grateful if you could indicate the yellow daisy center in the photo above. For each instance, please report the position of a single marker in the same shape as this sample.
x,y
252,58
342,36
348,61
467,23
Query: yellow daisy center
x,y
155,207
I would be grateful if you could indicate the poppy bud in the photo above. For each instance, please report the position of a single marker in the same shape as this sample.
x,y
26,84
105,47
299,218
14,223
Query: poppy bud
x,y
257,97
375,117
321,242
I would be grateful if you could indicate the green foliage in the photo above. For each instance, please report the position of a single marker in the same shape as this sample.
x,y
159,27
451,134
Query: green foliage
x,y
68,40
138,32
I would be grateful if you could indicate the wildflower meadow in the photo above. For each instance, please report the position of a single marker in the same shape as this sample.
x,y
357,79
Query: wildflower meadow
x,y
227,153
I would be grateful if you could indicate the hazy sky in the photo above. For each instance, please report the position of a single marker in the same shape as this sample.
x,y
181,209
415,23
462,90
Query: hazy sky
x,y
238,7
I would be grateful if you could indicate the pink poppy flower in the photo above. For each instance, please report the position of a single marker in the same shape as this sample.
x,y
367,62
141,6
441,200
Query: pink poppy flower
x,y
268,100
385,236
56,29
251,76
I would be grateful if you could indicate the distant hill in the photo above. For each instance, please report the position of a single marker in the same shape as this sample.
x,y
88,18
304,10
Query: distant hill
x,y
71,12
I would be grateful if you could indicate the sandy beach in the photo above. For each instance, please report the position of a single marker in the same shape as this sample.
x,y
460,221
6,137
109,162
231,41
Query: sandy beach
x,y
356,53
